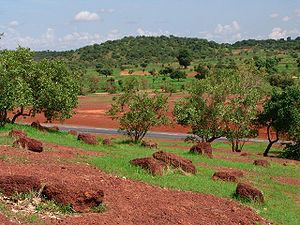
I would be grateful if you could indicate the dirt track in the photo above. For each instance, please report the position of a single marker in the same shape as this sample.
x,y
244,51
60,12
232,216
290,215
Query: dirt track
x,y
129,202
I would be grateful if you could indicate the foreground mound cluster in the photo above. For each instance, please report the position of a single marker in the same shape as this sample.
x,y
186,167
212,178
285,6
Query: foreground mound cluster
x,y
81,201
249,192
24,142
202,148
160,160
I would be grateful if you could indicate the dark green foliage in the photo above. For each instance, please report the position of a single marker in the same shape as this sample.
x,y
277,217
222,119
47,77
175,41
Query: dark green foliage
x,y
110,86
137,112
184,58
282,114
178,74
269,44
40,87
166,71
202,71
136,50
281,80
291,151
105,71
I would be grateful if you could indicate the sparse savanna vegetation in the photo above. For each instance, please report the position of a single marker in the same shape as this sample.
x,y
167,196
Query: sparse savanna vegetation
x,y
280,195
246,93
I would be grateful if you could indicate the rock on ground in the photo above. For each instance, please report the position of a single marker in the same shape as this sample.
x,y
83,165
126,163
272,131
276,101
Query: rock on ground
x,y
149,144
107,141
81,200
175,161
249,192
155,167
203,148
17,133
232,176
88,138
29,144
18,183
72,132
261,162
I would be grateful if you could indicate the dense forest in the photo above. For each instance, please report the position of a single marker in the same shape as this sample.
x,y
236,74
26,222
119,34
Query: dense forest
x,y
163,49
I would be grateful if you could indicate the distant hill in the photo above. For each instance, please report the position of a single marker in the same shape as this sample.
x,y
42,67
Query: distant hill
x,y
163,49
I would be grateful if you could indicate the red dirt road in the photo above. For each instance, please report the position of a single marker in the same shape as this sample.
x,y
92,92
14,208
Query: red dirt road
x,y
129,202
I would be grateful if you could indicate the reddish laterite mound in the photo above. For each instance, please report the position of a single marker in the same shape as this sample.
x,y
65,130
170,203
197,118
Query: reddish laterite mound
x,y
203,148
72,132
155,167
175,161
262,162
54,128
227,175
29,144
38,126
247,191
81,200
107,141
17,133
18,183
149,144
88,138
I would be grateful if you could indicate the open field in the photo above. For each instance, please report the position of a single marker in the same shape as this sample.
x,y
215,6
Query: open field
x,y
279,183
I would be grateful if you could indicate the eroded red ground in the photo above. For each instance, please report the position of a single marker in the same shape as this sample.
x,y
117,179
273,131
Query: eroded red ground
x,y
129,202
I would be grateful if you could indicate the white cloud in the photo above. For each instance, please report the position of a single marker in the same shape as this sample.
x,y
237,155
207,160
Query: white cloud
x,y
274,15
277,33
232,28
106,10
224,32
285,18
13,23
142,32
297,11
86,16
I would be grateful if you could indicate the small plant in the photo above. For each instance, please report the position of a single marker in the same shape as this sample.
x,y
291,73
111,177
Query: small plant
x,y
101,208
54,207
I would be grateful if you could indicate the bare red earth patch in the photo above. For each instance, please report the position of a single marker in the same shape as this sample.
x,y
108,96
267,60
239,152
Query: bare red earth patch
x,y
128,202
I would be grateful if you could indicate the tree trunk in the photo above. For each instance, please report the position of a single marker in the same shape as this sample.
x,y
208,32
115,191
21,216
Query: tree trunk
x,y
211,139
270,141
20,113
3,117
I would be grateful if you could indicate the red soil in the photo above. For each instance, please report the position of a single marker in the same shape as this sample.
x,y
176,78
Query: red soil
x,y
91,112
128,201
288,180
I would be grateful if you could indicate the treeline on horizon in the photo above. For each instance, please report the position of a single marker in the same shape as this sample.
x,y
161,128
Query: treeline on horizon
x,y
163,49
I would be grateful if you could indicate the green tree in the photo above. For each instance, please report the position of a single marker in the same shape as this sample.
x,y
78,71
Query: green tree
x,y
203,109
281,114
240,108
144,66
44,87
202,71
105,71
178,74
138,112
184,58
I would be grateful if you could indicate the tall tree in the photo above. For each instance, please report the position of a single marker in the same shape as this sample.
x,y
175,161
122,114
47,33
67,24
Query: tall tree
x,y
184,58
281,114
138,112
35,87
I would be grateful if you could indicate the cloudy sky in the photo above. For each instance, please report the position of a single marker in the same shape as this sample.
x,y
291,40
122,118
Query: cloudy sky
x,y
70,24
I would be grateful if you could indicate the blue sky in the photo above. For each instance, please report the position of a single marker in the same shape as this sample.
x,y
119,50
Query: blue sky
x,y
70,24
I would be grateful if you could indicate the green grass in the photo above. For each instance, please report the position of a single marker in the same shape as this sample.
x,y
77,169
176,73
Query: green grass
x,y
281,204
